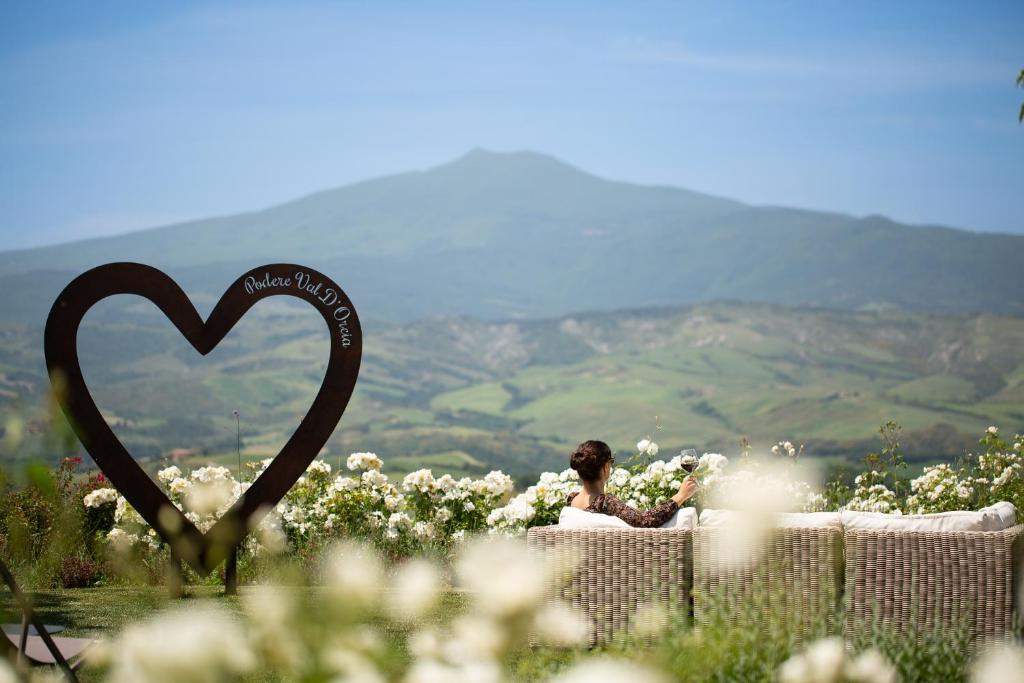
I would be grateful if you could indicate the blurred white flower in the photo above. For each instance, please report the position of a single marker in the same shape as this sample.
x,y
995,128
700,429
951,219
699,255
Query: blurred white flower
x,y
474,638
1000,665
822,662
993,430
503,576
598,669
199,643
415,590
7,674
870,667
209,496
642,445
121,541
353,572
559,626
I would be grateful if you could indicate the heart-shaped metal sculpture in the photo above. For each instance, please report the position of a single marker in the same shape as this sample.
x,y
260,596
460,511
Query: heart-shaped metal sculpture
x,y
202,551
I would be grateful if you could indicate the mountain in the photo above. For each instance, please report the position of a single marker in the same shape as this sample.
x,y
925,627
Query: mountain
x,y
464,395
523,235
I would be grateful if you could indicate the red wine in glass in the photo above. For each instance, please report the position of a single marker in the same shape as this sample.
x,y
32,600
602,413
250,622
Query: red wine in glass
x,y
688,460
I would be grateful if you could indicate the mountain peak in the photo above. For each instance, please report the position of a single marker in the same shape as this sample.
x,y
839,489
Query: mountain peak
x,y
518,161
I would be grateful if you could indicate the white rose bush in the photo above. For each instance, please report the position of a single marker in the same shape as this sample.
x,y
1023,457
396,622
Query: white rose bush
x,y
423,513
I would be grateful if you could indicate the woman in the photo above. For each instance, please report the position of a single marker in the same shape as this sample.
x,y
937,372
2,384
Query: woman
x,y
593,461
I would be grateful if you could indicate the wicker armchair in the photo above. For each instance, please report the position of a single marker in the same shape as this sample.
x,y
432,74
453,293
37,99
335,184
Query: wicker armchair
x,y
616,571
792,574
914,581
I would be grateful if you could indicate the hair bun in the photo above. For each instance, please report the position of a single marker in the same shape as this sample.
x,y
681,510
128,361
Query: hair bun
x,y
589,458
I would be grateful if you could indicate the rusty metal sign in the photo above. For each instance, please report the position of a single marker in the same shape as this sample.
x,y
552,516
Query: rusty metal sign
x,y
204,552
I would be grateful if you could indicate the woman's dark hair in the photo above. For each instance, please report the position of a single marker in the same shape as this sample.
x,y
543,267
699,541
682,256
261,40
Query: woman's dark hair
x,y
588,459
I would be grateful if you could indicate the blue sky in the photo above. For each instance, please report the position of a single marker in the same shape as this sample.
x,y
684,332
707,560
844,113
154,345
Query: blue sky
x,y
123,115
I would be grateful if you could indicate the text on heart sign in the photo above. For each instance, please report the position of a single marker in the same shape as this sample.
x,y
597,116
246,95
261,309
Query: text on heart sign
x,y
326,296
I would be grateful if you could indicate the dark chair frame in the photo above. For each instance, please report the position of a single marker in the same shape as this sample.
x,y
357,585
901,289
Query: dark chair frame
x,y
29,618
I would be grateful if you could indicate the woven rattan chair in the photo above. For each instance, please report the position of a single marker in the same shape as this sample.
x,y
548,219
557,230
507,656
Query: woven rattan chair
x,y
744,578
914,581
614,572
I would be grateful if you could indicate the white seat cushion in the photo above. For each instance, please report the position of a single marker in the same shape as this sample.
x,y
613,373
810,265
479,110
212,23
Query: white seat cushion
x,y
574,518
960,520
683,518
788,520
1001,515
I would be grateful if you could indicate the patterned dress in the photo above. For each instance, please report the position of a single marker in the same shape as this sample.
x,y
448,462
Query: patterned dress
x,y
610,505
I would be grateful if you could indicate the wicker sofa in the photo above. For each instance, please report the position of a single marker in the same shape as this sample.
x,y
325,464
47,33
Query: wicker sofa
x,y
908,580
914,581
793,572
617,571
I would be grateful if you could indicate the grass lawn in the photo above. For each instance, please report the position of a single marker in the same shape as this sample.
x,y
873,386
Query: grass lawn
x,y
104,612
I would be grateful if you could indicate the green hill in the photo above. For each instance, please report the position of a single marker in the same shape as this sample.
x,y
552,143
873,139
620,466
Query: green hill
x,y
523,235
463,395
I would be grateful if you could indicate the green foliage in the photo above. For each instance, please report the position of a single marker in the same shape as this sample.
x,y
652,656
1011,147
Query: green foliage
x,y
1020,83
890,462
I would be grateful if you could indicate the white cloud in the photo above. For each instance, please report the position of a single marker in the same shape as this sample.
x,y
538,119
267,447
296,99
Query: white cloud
x,y
880,69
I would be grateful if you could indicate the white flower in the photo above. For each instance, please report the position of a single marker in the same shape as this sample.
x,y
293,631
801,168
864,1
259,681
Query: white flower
x,y
7,674
179,486
642,445
200,644
352,573
168,474
870,667
100,497
559,626
1001,665
420,480
120,540
474,638
652,449
208,496
993,430
415,590
599,669
363,461
822,662
319,467
423,530
502,575
210,474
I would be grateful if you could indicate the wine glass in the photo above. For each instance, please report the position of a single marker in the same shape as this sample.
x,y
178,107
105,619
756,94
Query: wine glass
x,y
688,460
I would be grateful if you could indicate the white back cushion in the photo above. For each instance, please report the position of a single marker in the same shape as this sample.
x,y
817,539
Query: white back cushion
x,y
960,520
575,518
790,520
1001,515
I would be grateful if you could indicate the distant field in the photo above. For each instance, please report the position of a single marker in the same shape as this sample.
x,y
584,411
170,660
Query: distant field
x,y
462,396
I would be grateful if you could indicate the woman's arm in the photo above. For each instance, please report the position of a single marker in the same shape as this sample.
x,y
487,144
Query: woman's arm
x,y
656,516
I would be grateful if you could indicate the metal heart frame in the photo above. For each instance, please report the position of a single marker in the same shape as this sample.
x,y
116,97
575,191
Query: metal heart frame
x,y
203,552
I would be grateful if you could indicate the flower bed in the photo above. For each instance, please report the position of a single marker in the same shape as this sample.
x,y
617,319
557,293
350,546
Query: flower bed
x,y
423,513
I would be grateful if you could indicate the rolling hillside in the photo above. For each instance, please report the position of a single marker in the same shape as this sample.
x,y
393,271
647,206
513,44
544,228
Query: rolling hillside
x,y
523,235
463,395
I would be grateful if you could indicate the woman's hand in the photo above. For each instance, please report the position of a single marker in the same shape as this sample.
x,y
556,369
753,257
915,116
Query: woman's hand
x,y
686,490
